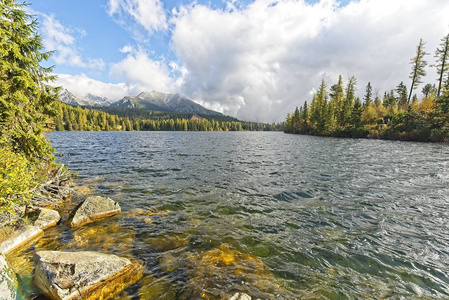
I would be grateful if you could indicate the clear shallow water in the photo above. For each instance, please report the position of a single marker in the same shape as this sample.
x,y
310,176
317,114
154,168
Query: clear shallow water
x,y
273,215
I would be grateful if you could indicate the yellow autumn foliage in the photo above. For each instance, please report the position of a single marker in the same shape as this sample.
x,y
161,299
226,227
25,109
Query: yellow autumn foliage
x,y
17,180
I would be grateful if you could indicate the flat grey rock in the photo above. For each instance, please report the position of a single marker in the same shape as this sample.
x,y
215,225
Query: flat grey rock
x,y
83,275
22,237
46,218
94,208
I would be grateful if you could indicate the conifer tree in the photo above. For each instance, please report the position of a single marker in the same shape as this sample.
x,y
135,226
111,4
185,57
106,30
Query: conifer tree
x,y
418,65
442,55
368,95
349,100
25,96
427,89
337,95
401,91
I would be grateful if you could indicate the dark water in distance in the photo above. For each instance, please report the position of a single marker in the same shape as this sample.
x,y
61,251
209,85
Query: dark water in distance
x,y
270,214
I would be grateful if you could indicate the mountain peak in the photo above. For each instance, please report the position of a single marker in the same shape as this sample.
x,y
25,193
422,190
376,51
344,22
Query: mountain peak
x,y
158,101
67,97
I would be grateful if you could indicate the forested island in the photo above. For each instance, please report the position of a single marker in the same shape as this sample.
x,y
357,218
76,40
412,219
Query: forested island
x,y
396,115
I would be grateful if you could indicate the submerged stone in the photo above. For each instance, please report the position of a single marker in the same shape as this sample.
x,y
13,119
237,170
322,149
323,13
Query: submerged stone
x,y
93,209
9,288
240,296
83,275
225,268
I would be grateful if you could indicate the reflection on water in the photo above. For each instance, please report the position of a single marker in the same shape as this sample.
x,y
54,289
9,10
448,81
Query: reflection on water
x,y
273,215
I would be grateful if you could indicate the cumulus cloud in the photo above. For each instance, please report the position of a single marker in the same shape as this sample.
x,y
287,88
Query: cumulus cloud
x,y
61,39
81,84
139,69
149,14
261,61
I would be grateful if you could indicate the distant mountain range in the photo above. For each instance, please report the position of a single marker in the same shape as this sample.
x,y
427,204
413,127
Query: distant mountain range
x,y
151,101
89,100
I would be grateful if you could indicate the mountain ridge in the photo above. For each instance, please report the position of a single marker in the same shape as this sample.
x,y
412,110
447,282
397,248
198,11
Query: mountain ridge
x,y
65,96
154,100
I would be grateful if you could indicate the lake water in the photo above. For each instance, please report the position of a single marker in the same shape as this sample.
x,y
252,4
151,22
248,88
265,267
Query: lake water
x,y
266,213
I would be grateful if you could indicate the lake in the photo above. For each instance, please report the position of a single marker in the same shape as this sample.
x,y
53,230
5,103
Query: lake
x,y
266,213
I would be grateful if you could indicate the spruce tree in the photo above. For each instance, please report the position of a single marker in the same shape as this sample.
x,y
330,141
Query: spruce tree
x,y
348,102
441,55
368,95
401,91
428,89
336,101
418,65
25,96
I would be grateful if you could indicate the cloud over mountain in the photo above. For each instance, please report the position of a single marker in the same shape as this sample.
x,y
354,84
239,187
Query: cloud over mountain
x,y
259,60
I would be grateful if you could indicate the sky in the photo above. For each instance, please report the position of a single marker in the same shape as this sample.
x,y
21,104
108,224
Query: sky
x,y
253,59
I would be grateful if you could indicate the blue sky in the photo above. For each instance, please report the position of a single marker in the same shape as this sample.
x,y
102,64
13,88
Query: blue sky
x,y
256,60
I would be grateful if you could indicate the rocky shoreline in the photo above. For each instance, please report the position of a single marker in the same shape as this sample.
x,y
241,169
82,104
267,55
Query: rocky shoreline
x,y
67,275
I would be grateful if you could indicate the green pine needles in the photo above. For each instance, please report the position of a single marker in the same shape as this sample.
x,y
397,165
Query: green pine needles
x,y
25,103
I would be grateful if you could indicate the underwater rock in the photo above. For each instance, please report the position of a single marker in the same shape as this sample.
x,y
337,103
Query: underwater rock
x,y
229,269
143,214
21,238
83,275
240,296
93,209
45,218
111,237
9,288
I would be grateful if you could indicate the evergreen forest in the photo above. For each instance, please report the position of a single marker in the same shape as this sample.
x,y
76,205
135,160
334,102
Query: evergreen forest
x,y
337,111
71,118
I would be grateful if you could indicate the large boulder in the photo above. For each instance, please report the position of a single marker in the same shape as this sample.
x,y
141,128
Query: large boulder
x,y
9,288
21,238
83,275
93,209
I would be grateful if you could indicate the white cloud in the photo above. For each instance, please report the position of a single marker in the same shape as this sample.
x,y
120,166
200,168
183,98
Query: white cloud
x,y
149,14
258,61
81,84
127,49
60,39
261,61
139,69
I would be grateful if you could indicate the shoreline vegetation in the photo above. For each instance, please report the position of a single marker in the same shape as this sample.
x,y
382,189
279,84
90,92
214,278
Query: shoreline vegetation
x,y
337,112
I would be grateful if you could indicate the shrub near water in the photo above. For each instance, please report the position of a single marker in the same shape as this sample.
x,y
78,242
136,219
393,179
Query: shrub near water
x,y
16,181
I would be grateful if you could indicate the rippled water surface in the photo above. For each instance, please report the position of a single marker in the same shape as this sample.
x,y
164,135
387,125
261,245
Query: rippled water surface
x,y
273,215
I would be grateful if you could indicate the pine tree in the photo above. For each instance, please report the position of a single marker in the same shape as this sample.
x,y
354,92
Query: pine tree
x,y
321,106
418,65
25,96
349,100
442,55
428,89
337,96
368,95
401,91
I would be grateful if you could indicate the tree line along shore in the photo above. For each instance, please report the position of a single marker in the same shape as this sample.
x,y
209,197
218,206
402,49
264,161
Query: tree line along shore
x,y
399,114
71,118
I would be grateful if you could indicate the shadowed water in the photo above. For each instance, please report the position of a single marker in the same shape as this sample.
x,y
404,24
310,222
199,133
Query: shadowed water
x,y
269,214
